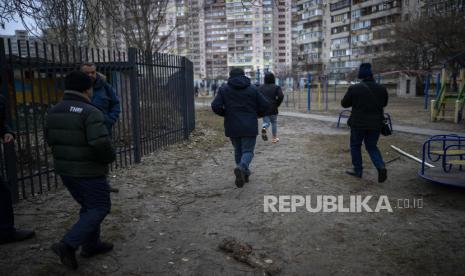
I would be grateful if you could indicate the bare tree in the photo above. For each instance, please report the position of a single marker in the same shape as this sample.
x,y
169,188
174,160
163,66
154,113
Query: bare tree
x,y
141,22
66,22
12,8
425,43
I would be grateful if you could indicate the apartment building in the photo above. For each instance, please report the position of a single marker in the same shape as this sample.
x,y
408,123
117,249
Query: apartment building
x,y
309,36
18,45
282,31
216,39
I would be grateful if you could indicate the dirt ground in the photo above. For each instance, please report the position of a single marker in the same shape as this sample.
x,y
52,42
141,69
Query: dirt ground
x,y
175,208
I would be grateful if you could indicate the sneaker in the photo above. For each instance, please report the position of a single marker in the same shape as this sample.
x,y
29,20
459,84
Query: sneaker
x,y
17,236
275,140
382,175
102,248
114,190
240,177
264,136
246,178
66,253
354,173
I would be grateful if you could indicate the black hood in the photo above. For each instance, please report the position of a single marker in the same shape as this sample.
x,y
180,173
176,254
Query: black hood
x,y
239,82
269,78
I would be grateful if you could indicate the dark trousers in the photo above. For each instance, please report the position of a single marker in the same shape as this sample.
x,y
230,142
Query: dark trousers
x,y
6,210
244,151
93,195
370,138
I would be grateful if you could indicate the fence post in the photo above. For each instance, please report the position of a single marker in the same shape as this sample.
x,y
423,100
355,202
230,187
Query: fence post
x,y
9,152
135,105
184,93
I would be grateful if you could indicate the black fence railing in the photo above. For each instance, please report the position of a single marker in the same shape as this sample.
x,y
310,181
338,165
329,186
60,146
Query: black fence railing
x,y
156,92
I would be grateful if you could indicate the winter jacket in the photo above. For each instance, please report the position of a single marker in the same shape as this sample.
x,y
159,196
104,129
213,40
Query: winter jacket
x,y
240,104
105,98
367,105
274,95
76,132
4,128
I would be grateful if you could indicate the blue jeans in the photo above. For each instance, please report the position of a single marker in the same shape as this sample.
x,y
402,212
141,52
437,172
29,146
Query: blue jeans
x,y
271,119
370,138
243,152
93,194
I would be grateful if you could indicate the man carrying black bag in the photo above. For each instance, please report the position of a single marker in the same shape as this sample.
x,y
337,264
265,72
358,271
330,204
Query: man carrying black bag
x,y
367,100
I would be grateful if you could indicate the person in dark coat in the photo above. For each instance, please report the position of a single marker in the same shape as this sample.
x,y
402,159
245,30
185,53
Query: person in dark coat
x,y
8,232
82,151
240,104
275,96
104,97
367,100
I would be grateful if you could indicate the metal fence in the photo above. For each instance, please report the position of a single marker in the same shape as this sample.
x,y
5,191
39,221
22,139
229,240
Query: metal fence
x,y
156,93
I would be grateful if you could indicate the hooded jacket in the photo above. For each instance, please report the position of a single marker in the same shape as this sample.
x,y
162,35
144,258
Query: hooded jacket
x,y
272,93
240,104
80,142
105,98
367,104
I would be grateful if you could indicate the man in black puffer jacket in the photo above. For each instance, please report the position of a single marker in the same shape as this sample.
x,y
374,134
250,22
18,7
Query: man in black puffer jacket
x,y
367,100
275,96
240,104
82,151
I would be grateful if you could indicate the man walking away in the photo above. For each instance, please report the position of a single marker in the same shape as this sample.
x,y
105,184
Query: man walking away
x,y
240,104
275,96
82,151
8,233
104,97
367,100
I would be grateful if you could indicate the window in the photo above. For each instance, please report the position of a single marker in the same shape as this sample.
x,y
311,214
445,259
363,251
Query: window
x,y
361,25
340,17
340,5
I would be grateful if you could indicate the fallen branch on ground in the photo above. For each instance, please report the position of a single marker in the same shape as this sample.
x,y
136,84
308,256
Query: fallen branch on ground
x,y
243,252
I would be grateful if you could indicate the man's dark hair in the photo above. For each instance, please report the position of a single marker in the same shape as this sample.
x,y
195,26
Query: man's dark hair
x,y
78,81
89,64
235,72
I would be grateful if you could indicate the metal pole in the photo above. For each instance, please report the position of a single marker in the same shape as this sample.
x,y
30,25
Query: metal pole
x,y
135,105
335,85
438,84
411,156
309,94
426,91
327,93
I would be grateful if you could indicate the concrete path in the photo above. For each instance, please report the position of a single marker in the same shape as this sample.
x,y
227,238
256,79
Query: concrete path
x,y
333,119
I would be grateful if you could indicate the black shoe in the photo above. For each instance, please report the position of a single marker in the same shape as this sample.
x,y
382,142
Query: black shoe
x,y
354,173
17,236
264,136
382,175
66,253
114,190
246,178
102,248
240,177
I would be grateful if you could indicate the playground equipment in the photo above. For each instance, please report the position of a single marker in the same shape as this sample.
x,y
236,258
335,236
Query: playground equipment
x,y
448,102
447,154
346,114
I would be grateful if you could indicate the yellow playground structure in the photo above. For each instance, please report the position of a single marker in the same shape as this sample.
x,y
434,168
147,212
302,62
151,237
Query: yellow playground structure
x,y
448,104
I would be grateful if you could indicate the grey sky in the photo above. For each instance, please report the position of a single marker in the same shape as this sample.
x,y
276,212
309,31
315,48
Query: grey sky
x,y
10,27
